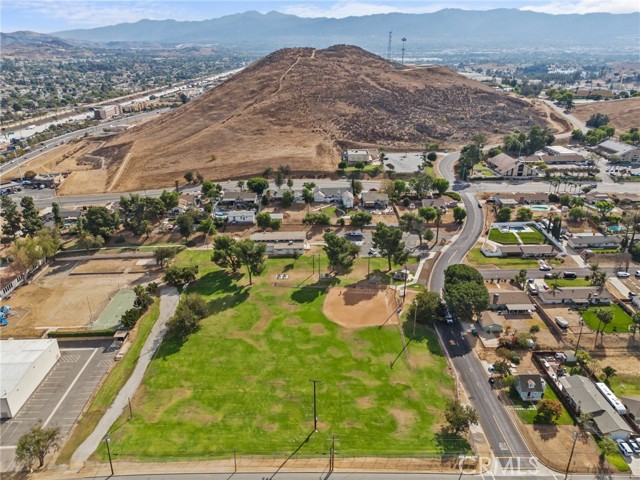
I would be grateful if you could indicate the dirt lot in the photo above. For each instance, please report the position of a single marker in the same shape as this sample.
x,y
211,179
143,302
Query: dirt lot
x,y
70,295
356,308
623,114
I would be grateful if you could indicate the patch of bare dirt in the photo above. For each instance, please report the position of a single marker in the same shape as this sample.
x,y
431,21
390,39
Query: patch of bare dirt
x,y
357,308
623,114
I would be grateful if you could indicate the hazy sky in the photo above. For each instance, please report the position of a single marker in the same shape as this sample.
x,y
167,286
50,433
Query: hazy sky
x,y
55,15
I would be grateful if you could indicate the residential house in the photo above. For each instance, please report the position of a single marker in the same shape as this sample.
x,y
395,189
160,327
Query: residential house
x,y
588,240
375,200
509,167
502,202
241,216
340,195
575,296
624,151
512,302
234,199
530,387
491,249
514,199
282,244
491,322
584,397
357,155
442,202
185,201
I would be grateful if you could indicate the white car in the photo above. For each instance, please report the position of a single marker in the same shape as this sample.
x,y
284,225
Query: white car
x,y
637,273
623,274
545,268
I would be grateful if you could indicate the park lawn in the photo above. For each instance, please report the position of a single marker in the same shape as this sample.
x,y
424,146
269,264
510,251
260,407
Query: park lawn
x,y
476,257
620,323
533,238
568,282
528,416
242,381
625,385
508,238
110,387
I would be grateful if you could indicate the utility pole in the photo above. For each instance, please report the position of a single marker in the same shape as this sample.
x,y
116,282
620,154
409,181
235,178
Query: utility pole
x,y
579,335
332,456
406,277
575,439
389,47
130,410
315,405
403,40
368,265
415,314
106,441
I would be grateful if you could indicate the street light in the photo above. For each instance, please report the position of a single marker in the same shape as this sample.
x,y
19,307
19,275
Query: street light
x,y
106,441
315,406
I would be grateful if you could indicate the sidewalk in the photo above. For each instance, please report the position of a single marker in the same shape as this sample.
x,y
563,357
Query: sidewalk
x,y
169,299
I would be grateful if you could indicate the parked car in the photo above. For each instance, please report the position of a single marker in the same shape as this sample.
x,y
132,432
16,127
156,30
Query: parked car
x,y
373,252
624,448
634,444
545,268
561,322
637,273
623,274
548,275
448,318
570,275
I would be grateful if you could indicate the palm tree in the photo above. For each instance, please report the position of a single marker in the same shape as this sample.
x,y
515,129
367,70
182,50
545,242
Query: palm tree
x,y
635,319
605,317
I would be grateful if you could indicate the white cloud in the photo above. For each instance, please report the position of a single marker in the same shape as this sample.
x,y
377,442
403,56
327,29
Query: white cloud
x,y
586,6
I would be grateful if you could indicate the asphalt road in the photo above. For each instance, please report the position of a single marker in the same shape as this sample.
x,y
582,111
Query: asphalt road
x,y
502,435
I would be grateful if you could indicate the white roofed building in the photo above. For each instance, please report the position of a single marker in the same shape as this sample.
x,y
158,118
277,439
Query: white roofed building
x,y
23,365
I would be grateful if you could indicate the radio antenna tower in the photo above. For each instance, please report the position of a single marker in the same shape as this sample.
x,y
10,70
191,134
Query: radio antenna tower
x,y
389,47
403,40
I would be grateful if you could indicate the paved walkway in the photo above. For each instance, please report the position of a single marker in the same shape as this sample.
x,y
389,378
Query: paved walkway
x,y
168,302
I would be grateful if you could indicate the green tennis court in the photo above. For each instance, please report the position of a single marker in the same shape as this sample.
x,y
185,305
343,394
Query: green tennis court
x,y
110,316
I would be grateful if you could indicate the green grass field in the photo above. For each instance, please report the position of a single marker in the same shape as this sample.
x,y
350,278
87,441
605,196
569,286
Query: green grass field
x,y
567,282
533,238
625,385
475,257
507,238
243,381
620,323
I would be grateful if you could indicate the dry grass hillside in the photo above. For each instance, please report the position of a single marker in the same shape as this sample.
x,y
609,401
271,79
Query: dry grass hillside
x,y
302,107
623,114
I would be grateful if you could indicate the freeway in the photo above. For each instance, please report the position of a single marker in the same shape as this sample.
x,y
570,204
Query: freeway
x,y
502,434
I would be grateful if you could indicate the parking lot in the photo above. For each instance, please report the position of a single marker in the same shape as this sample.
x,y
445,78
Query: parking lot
x,y
365,242
59,399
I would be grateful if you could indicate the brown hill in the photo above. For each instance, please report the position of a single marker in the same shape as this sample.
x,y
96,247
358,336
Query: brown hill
x,y
623,114
302,107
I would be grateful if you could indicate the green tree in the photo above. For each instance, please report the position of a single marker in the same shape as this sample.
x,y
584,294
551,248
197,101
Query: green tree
x,y
10,215
521,277
186,319
31,222
35,444
597,120
359,165
459,214
467,299
163,255
604,207
389,241
597,277
609,372
287,198
185,223
361,218
605,317
180,276
469,156
251,255
421,184
278,179
524,214
502,368
429,308
548,411
440,185
459,273
225,253
460,417
101,221
340,251
577,213
307,196
635,323
208,188
607,448
316,219
263,220
88,241
258,185
504,215
432,156
58,221
188,177
413,224
438,222
169,199
428,213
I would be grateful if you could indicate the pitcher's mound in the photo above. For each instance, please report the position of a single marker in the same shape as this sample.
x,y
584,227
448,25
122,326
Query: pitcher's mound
x,y
357,307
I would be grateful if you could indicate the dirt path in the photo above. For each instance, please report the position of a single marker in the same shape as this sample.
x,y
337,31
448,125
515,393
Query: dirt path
x,y
168,303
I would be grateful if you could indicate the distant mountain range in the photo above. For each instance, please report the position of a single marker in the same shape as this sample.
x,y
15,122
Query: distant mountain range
x,y
37,45
450,27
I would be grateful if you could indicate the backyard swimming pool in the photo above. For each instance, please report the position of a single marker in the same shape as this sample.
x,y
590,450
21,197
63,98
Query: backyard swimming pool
x,y
615,228
540,208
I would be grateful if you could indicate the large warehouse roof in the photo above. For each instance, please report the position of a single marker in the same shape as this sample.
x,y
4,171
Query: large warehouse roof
x,y
16,357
